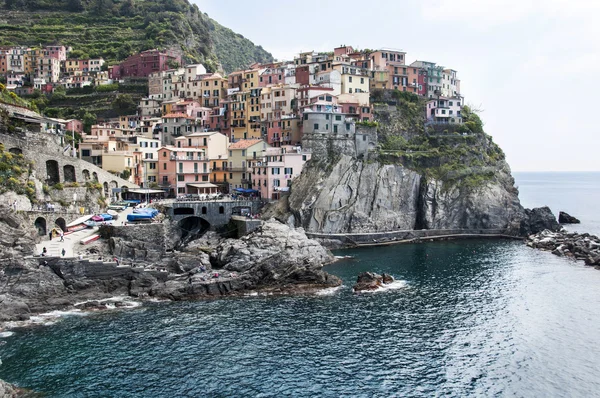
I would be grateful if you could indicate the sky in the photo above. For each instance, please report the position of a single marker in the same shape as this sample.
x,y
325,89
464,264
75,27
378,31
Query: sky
x,y
529,66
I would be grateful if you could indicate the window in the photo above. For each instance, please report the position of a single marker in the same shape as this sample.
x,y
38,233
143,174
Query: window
x,y
243,152
316,126
338,117
230,153
180,178
204,209
165,154
85,152
164,166
152,166
362,80
450,112
181,190
335,128
221,210
350,79
288,170
450,103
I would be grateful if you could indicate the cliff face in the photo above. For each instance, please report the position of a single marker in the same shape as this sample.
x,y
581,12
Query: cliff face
x,y
415,177
362,196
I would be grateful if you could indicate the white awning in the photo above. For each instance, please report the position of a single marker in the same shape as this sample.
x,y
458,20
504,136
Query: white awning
x,y
201,185
145,190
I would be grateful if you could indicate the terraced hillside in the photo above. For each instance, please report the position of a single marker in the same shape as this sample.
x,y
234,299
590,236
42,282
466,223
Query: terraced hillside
x,y
115,29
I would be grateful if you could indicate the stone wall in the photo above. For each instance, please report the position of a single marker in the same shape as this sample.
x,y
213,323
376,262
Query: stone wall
x,y
217,213
52,164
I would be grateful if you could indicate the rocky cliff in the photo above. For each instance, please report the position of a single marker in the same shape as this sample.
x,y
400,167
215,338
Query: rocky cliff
x,y
416,177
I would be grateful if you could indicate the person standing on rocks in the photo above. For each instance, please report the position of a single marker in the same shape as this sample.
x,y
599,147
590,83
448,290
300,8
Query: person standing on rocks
x,y
62,236
50,234
63,252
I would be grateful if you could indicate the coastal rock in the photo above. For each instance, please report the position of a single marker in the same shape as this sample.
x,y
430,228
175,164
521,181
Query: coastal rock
x,y
8,390
584,247
369,281
276,255
537,220
565,218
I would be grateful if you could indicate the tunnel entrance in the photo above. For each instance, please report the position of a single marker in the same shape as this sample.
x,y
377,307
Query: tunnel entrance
x,y
40,224
52,172
192,228
61,223
69,173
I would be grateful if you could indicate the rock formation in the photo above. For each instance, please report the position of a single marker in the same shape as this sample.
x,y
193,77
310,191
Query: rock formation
x,y
584,247
565,218
370,281
8,390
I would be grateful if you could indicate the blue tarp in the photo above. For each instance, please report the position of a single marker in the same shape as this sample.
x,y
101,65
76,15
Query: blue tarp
x,y
244,190
139,216
106,217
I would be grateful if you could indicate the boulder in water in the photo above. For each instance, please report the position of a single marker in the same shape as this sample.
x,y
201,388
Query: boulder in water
x,y
369,281
566,218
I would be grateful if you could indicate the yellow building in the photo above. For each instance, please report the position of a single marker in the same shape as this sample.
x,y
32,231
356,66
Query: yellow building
x,y
240,155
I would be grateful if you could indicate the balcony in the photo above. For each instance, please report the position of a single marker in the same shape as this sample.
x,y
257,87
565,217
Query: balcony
x,y
184,172
196,158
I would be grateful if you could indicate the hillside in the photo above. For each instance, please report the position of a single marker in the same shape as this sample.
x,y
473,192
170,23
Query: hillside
x,y
115,29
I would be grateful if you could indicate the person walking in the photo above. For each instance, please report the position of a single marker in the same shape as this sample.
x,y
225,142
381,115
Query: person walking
x,y
50,234
63,252
62,236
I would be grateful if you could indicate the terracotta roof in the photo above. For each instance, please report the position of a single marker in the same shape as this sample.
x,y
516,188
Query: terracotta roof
x,y
244,144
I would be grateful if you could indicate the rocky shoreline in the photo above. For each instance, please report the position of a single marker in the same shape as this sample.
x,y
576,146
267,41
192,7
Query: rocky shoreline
x,y
274,259
582,246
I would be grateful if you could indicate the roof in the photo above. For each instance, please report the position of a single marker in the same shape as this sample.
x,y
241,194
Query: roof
x,y
199,134
174,115
244,144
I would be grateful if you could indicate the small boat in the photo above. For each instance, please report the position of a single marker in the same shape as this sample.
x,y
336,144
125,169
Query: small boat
x,y
97,218
90,223
106,216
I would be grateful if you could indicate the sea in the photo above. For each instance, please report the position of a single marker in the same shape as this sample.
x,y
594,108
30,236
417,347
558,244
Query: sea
x,y
481,318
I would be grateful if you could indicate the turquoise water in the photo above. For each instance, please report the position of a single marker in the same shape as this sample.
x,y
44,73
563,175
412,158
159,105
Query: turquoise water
x,y
475,318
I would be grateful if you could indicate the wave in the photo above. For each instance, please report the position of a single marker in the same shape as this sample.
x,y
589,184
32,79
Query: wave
x,y
395,285
329,291
342,257
4,335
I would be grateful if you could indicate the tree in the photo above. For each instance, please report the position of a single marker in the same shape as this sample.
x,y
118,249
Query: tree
x,y
88,121
124,105
75,5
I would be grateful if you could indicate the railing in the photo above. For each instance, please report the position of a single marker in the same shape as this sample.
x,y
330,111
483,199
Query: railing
x,y
200,158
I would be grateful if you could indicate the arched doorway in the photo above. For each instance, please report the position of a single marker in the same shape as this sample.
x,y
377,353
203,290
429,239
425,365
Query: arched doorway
x,y
192,228
16,151
69,173
61,223
86,175
40,225
105,188
52,172
95,176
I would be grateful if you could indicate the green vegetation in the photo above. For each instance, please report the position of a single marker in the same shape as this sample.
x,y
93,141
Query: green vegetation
x,y
58,186
116,29
14,174
11,98
93,186
459,155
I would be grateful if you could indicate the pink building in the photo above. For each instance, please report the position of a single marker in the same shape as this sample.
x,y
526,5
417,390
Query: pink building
x,y
56,52
74,125
274,172
143,64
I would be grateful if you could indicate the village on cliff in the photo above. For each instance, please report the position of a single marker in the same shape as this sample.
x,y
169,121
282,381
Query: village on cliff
x,y
199,133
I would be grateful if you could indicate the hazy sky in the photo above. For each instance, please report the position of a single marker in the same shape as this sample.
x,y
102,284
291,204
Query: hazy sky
x,y
531,66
